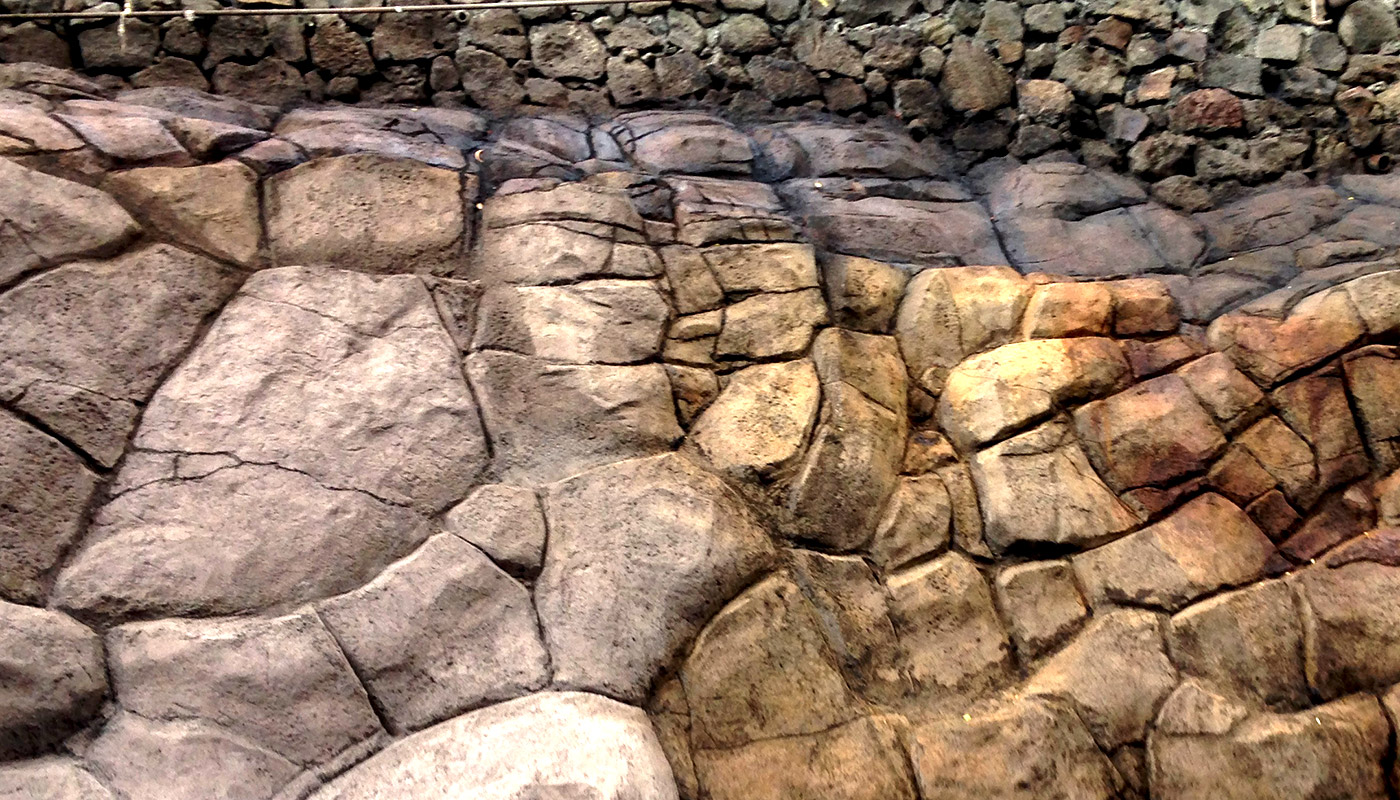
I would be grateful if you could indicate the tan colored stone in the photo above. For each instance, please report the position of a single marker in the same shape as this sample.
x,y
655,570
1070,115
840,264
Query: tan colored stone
x,y
1226,393
1353,634
55,680
1149,435
603,321
949,630
1057,310
1316,407
863,294
367,212
771,325
1143,306
1377,299
949,314
916,522
1373,376
1021,749
1207,544
1388,499
213,207
1270,350
1239,476
776,267
760,422
861,760
996,393
1285,456
1248,641
1038,488
504,522
1042,604
850,469
1334,750
865,362
693,389
1116,671
759,670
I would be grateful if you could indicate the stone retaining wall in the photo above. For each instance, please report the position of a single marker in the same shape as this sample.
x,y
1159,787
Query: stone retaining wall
x,y
350,454
1222,90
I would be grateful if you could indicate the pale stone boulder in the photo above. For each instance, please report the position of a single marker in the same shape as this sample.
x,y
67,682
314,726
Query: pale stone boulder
x,y
1042,604
917,521
641,553
571,742
771,325
949,314
777,267
604,321
760,421
505,522
1353,641
50,778
438,633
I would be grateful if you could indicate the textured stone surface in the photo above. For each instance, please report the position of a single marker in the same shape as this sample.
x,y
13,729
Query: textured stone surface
x,y
51,220
578,743
55,679
213,208
761,420
641,553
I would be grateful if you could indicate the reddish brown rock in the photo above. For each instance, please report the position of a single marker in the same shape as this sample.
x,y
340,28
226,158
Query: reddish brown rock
x,y
1143,306
1316,407
1239,476
1207,111
1285,456
1336,519
1273,514
1373,376
1227,394
1270,350
1151,434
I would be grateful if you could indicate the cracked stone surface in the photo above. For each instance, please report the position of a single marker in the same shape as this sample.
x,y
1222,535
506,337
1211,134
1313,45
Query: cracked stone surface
x,y
396,452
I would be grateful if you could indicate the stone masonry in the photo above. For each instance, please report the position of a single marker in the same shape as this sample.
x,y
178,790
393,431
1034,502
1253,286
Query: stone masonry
x,y
353,453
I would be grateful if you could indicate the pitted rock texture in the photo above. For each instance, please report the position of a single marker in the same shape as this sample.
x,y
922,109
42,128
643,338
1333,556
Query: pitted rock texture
x,y
624,462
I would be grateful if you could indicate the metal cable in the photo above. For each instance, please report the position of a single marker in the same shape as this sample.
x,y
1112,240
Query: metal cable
x,y
308,12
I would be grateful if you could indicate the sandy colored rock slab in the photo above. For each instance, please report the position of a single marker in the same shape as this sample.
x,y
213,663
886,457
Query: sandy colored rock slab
x,y
1020,749
771,325
51,220
777,267
369,213
760,671
1248,641
438,633
594,746
861,760
281,682
347,377
1373,377
1333,750
1042,604
185,760
863,294
213,208
948,314
1038,488
239,539
55,679
1353,629
604,321
550,421
948,627
1230,397
505,522
1377,300
641,553
761,419
850,469
83,346
50,778
1150,435
1116,671
868,363
1205,545
917,521
996,393
1057,310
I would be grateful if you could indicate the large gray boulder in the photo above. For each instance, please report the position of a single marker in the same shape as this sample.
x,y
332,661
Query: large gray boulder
x,y
50,220
54,680
545,745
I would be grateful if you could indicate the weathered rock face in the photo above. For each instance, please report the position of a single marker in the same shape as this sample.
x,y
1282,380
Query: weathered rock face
x,y
742,426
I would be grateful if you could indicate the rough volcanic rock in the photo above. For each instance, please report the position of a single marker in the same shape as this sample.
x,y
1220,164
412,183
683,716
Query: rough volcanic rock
x,y
1151,434
1038,489
505,522
607,321
1018,749
213,208
576,744
1271,349
1353,641
51,220
281,682
1042,604
641,553
84,345
438,633
550,421
51,778
367,212
55,680
46,489
1205,545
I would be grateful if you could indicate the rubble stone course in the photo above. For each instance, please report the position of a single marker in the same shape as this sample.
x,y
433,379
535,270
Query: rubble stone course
x,y
682,457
